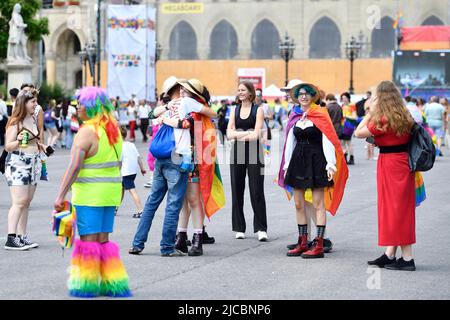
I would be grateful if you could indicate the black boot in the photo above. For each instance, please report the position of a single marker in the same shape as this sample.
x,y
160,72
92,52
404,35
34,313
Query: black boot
x,y
206,238
180,242
345,156
197,245
351,161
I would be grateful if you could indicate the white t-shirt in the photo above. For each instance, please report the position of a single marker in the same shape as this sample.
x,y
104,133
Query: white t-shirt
x,y
132,113
71,111
3,110
181,109
143,111
129,159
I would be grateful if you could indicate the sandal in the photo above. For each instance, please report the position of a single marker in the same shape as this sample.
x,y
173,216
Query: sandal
x,y
137,215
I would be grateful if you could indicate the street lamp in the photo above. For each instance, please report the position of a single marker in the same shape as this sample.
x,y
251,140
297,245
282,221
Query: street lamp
x,y
83,57
158,51
287,47
89,54
352,50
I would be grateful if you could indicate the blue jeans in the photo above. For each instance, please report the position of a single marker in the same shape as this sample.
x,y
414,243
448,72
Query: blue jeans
x,y
69,134
167,177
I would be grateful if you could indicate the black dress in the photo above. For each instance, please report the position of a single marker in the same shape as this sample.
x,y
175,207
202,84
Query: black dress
x,y
307,168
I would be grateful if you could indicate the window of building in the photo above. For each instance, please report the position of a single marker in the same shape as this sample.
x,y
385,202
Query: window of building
x,y
265,41
223,41
183,42
325,40
383,39
433,21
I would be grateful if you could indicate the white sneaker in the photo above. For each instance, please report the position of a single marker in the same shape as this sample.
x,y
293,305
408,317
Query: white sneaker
x,y
262,236
240,235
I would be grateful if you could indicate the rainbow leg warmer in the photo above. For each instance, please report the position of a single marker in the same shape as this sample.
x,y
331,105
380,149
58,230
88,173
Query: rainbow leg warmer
x,y
114,276
84,280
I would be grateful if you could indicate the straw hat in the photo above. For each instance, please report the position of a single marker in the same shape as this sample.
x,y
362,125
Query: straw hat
x,y
195,87
169,84
296,88
291,84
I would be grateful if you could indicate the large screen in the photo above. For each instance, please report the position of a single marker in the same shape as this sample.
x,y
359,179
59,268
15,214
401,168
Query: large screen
x,y
422,69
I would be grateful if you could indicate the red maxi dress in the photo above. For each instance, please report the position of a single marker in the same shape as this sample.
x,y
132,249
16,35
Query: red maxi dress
x,y
396,192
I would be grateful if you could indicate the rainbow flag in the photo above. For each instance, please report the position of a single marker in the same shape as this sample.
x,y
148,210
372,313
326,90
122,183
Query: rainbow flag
x,y
420,189
211,186
266,149
398,22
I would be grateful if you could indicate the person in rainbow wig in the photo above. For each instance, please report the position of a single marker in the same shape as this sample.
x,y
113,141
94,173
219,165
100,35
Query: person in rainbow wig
x,y
94,175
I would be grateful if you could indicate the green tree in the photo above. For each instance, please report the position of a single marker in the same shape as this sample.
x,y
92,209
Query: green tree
x,y
35,29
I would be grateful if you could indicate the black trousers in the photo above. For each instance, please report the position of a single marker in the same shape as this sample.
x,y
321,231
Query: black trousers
x,y
256,183
144,128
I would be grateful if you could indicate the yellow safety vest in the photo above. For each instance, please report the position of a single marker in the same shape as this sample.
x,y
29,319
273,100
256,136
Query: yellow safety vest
x,y
99,183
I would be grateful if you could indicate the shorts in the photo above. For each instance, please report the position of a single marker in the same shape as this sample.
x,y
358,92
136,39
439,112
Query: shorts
x,y
438,131
92,220
50,125
345,137
128,182
194,175
22,169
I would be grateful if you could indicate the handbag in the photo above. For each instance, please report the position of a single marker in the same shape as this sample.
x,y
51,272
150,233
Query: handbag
x,y
163,143
3,161
65,225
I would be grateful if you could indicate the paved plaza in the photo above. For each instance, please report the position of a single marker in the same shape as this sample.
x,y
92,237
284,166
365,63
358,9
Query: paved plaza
x,y
248,269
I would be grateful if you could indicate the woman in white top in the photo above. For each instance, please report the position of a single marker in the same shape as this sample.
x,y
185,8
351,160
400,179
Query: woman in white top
x,y
132,112
310,163
143,112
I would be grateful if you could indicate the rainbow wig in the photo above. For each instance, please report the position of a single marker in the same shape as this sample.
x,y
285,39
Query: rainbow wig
x,y
84,280
114,276
100,111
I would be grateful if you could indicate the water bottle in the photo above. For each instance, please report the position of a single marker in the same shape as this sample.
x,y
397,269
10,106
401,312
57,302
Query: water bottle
x,y
24,142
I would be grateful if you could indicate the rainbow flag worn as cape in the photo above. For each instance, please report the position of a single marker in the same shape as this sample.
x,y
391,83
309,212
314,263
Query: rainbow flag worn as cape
x,y
211,186
321,119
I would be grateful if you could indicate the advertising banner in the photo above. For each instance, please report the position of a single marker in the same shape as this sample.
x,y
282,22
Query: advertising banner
x,y
131,51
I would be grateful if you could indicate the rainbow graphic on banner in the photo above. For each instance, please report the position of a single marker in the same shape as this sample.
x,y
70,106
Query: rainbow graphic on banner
x,y
126,60
134,24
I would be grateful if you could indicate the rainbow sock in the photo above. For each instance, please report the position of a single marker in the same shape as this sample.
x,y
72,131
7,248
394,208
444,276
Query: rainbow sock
x,y
114,276
84,280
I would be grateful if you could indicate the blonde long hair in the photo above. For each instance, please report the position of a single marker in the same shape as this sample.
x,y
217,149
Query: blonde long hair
x,y
390,112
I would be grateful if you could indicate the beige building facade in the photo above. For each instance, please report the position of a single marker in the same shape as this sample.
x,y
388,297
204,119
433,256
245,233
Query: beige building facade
x,y
239,30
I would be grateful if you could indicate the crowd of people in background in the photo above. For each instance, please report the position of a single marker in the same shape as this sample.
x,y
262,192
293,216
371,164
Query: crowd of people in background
x,y
318,130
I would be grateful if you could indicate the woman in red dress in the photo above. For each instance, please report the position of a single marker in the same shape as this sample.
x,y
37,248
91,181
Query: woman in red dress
x,y
389,123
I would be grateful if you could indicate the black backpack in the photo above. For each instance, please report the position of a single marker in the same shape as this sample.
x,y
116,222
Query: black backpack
x,y
422,152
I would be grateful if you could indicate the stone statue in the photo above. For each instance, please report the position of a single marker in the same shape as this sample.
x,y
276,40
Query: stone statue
x,y
17,41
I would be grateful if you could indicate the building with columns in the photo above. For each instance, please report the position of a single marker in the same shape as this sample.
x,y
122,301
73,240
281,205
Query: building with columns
x,y
231,34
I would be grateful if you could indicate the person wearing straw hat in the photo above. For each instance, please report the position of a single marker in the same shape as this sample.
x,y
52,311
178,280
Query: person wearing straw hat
x,y
94,175
295,108
312,159
169,176
205,197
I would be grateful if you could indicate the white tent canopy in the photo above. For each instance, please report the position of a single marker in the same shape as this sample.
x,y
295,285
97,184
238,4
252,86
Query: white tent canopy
x,y
273,91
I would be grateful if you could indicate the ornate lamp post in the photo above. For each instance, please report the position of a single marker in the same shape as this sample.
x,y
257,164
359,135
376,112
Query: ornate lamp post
x,y
158,51
352,50
83,59
287,47
89,54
